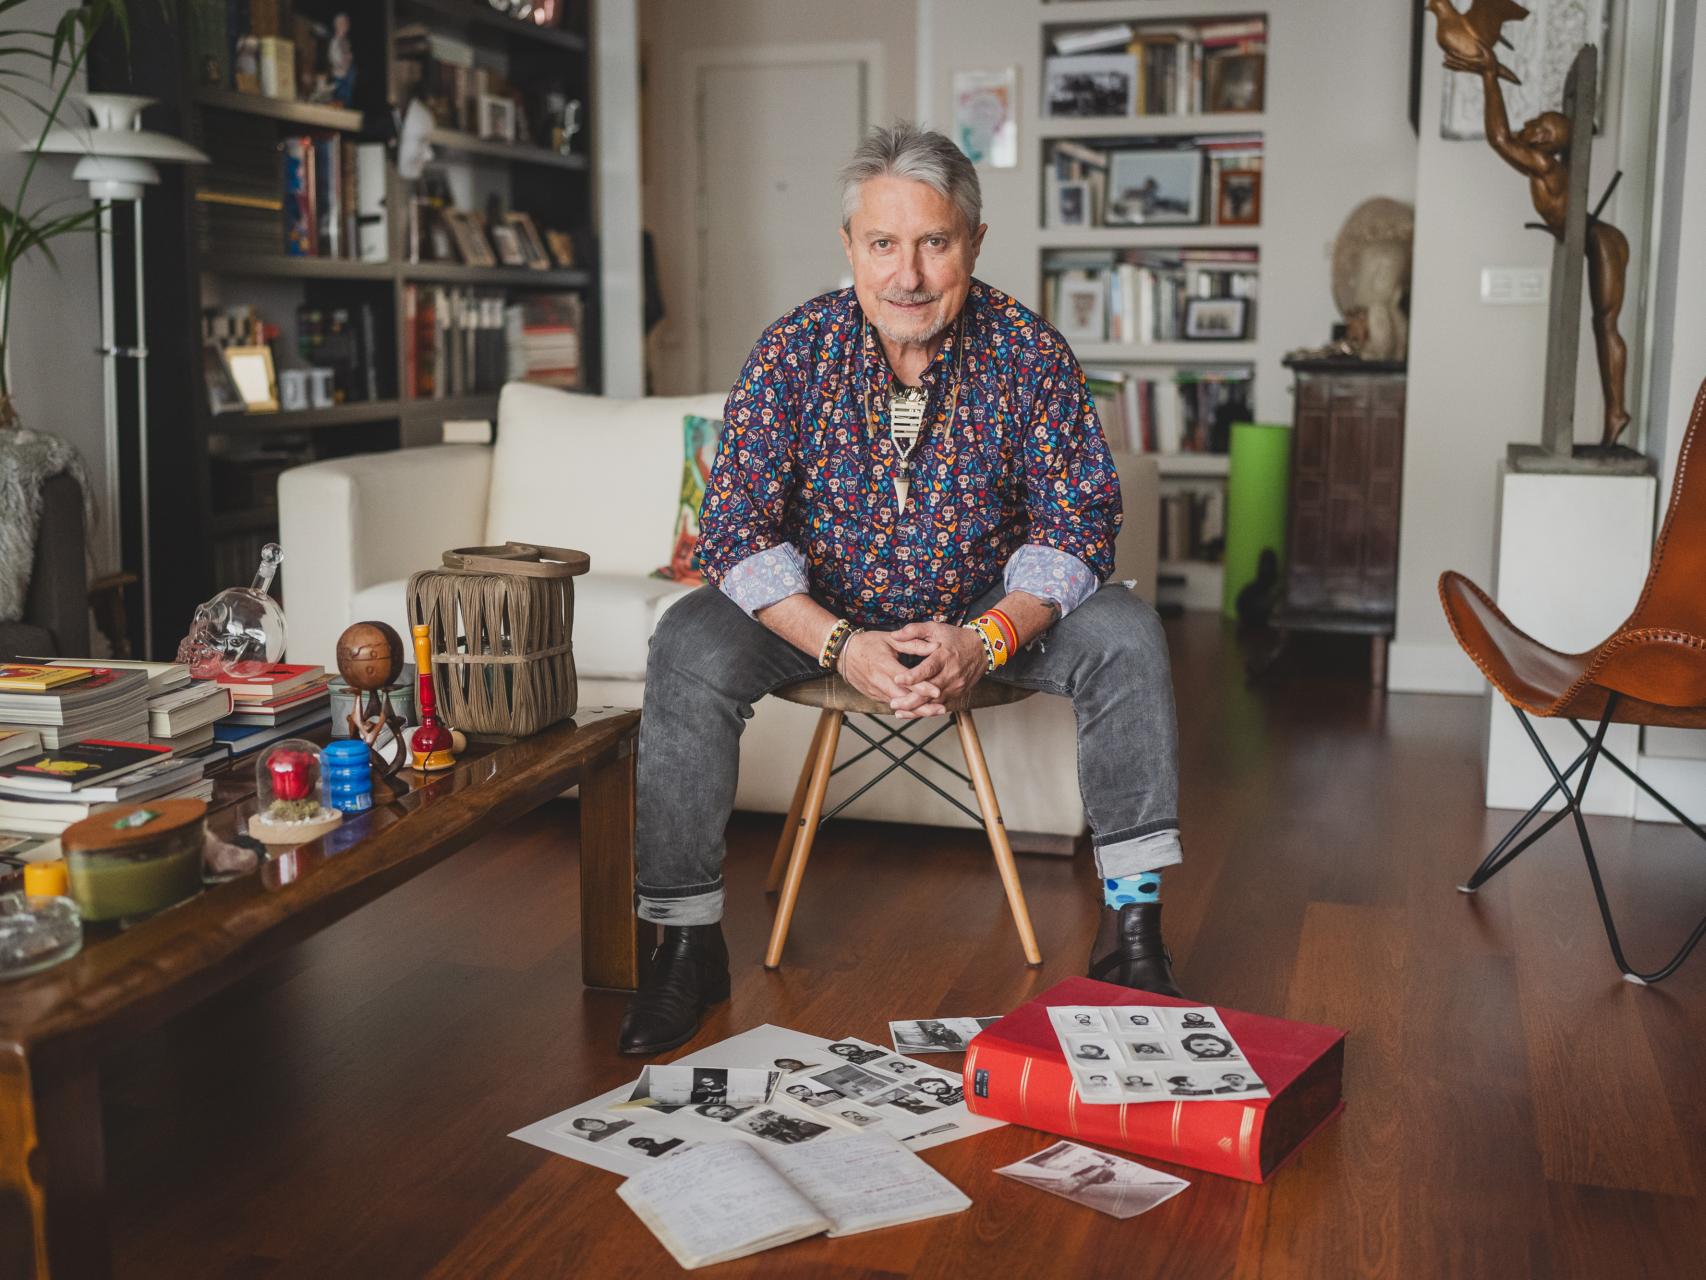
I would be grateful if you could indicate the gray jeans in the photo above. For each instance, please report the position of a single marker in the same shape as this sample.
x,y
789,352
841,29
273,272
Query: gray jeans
x,y
709,663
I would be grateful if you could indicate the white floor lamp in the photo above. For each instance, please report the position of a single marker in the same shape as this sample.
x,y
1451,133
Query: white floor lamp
x,y
117,159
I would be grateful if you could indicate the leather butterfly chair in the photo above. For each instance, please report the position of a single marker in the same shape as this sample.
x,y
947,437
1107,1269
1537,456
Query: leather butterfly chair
x,y
1650,671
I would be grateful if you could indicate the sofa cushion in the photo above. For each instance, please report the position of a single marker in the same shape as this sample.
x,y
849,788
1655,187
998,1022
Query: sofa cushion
x,y
597,474
615,614
382,602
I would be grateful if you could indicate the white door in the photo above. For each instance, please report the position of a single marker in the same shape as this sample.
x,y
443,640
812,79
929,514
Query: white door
x,y
772,137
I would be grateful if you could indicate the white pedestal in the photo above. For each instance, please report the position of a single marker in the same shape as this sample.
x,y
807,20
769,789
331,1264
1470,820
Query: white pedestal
x,y
1571,557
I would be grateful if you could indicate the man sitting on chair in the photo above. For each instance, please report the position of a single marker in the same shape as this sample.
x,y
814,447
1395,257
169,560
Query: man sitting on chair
x,y
911,471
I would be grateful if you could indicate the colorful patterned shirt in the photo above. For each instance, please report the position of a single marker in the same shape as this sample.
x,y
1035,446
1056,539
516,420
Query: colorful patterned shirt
x,y
1020,490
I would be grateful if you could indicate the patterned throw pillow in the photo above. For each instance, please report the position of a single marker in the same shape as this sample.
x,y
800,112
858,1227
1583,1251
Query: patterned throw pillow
x,y
699,446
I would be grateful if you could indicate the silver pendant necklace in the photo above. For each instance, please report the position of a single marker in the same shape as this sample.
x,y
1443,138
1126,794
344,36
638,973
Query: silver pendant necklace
x,y
906,416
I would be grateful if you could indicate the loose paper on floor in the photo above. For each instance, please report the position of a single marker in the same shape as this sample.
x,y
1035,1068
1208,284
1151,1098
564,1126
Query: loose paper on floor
x,y
829,1090
1109,1184
936,1035
1150,1053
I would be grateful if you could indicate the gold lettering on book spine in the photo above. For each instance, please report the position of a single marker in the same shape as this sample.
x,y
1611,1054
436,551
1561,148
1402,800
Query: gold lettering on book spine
x,y
1245,1130
1178,1112
1024,1086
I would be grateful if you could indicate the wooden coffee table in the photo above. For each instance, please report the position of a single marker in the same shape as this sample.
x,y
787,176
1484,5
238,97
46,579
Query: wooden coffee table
x,y
56,1025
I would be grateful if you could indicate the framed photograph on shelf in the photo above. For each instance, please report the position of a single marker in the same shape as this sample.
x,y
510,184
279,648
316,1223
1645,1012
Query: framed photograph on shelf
x,y
252,374
1217,319
469,233
1234,82
222,393
507,240
1148,187
1090,84
534,253
562,246
986,123
1238,203
1071,205
496,117
1080,315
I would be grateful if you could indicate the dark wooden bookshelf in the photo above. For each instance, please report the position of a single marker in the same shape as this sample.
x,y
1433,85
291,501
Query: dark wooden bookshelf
x,y
505,152
204,524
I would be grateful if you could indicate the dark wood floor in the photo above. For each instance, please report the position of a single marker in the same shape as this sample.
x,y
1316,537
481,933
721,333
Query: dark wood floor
x,y
1514,1108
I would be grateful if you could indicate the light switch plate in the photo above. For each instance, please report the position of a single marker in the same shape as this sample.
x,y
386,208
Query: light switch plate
x,y
1514,286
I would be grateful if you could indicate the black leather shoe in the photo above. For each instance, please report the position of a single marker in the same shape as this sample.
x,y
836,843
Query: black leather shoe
x,y
689,973
1128,950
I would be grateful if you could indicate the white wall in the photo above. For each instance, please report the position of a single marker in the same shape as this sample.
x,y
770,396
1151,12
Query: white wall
x,y
671,31
616,121
1476,371
56,317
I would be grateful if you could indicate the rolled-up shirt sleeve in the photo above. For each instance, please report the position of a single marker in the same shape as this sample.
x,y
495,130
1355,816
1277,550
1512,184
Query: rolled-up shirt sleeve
x,y
1072,493
742,545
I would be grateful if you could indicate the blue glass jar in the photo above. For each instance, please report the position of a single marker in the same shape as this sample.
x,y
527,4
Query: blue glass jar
x,y
346,775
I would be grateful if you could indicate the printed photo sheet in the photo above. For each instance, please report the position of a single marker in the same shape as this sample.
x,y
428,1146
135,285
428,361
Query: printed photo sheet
x,y
829,1089
936,1035
675,1086
1108,1184
1146,1053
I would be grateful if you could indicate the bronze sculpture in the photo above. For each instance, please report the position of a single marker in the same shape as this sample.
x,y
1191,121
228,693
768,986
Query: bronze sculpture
x,y
1541,151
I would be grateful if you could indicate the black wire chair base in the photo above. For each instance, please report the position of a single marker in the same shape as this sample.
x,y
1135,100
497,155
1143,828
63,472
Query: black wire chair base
x,y
901,761
1510,847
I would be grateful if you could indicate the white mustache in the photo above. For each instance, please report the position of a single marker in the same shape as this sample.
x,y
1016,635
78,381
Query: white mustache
x,y
909,299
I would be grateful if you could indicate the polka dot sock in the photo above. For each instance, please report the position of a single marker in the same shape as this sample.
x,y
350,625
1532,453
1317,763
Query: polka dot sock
x,y
1139,888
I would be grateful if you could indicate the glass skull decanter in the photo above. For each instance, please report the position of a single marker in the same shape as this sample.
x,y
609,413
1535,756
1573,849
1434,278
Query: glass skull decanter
x,y
240,631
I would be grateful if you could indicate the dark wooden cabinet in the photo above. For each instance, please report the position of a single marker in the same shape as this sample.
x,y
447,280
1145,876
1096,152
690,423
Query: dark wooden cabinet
x,y
1346,485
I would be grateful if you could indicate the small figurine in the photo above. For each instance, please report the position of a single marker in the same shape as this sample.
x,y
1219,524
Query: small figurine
x,y
370,656
431,748
340,57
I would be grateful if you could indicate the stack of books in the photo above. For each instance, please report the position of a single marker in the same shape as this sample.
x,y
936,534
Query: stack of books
x,y
1190,411
1157,69
454,342
46,791
544,340
284,701
181,711
1138,296
65,704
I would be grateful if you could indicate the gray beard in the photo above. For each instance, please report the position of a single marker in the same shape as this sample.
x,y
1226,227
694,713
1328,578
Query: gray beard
x,y
912,339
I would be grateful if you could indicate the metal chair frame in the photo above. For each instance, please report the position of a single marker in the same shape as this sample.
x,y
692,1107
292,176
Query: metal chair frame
x,y
1506,852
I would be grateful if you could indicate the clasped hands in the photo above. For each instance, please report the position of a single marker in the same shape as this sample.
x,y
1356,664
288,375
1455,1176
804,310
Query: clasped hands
x,y
952,662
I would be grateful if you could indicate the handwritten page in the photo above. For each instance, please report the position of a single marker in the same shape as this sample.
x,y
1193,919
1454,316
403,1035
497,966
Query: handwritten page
x,y
868,1181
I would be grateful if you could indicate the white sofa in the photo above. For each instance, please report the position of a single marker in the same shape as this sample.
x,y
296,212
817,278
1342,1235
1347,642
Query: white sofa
x,y
603,476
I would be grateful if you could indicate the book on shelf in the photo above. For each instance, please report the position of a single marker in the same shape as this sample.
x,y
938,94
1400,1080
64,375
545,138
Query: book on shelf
x,y
1143,292
21,677
309,198
76,766
346,341
1193,522
1073,160
163,677
455,342
176,713
269,711
723,1200
108,694
17,743
1016,1071
544,339
1186,411
1168,68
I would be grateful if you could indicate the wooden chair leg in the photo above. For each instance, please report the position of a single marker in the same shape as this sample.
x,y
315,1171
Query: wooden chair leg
x,y
790,828
829,735
997,832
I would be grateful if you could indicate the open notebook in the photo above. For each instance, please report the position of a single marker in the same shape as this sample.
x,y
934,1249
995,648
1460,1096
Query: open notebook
x,y
725,1200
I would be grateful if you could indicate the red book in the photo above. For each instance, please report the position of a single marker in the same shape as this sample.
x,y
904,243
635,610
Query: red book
x,y
274,682
1015,1071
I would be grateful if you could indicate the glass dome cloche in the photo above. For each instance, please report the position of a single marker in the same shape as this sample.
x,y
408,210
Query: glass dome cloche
x,y
290,806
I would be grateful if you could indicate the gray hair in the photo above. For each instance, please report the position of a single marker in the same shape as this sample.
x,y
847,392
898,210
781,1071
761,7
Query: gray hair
x,y
905,151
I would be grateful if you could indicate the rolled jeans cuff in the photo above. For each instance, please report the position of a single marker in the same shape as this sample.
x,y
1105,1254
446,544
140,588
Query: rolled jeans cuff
x,y
695,905
1136,854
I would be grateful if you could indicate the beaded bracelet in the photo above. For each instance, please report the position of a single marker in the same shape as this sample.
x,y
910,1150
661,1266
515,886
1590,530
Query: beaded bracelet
x,y
832,643
995,638
841,649
989,663
1009,632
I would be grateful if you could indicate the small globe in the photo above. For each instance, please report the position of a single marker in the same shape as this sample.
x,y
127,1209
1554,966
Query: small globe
x,y
370,655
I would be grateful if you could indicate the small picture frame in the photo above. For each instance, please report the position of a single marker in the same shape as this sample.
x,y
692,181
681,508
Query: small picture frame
x,y
562,246
1090,86
1154,186
1080,315
1072,204
507,240
534,253
222,393
252,374
1238,203
495,117
1235,83
469,233
1217,319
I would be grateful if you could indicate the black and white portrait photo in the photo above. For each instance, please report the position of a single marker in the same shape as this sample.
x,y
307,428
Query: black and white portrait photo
x,y
1109,1184
1095,84
1147,1049
853,1082
857,1117
655,1148
1203,1046
945,1092
1152,185
806,1096
773,1126
596,1128
855,1053
720,1111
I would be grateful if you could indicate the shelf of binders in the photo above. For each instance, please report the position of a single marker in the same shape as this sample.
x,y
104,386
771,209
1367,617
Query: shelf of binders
x,y
337,415
1150,126
481,17
461,273
466,144
312,115
1216,353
